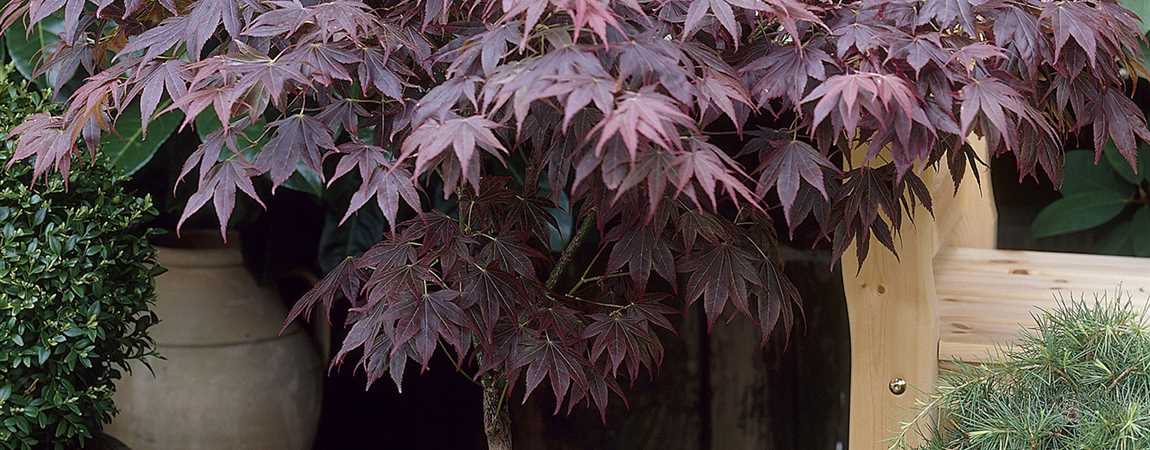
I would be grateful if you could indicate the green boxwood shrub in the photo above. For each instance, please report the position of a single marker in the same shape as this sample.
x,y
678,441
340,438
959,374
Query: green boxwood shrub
x,y
1079,380
75,289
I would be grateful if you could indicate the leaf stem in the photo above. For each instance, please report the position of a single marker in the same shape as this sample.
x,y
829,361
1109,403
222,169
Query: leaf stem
x,y
584,279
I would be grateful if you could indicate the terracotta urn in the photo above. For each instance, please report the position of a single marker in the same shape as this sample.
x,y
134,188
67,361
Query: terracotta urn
x,y
229,379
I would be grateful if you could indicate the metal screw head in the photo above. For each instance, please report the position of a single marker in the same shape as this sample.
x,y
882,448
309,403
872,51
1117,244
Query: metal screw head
x,y
897,386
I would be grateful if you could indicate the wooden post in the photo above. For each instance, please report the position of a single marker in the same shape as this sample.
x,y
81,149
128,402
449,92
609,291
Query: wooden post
x,y
893,305
894,332
968,217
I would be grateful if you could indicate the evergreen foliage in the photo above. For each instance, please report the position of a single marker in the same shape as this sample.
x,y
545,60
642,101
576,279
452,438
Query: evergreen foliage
x,y
75,286
1079,380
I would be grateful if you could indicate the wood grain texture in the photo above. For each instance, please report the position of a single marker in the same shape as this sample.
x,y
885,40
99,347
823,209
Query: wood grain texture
x,y
894,332
966,217
986,296
893,304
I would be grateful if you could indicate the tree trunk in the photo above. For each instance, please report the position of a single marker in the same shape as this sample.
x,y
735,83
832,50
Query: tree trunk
x,y
496,419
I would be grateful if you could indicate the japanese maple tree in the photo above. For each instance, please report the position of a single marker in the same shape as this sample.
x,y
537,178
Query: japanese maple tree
x,y
469,123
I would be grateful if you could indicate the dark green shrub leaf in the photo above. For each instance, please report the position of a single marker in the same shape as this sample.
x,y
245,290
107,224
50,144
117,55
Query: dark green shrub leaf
x,y
1078,212
1083,175
75,284
1122,167
359,232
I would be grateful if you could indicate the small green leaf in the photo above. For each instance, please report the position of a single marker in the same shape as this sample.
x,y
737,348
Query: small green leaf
x,y
1078,212
1081,174
130,146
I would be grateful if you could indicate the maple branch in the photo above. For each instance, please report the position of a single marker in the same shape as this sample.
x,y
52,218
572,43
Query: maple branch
x,y
592,302
572,246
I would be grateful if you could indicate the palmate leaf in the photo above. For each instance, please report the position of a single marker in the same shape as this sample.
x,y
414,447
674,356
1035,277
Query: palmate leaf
x,y
647,114
429,143
298,138
642,247
724,272
623,338
424,320
1119,120
784,165
387,185
219,185
948,13
560,361
152,82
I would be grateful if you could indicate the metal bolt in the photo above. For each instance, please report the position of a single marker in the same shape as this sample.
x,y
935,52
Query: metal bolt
x,y
897,386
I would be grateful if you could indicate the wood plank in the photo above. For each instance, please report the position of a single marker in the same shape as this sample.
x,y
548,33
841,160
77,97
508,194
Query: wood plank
x,y
986,296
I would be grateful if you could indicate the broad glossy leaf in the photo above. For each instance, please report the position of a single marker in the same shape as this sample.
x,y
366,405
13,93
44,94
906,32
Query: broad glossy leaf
x,y
1083,175
27,46
1122,167
1142,9
1078,212
1119,241
352,238
127,145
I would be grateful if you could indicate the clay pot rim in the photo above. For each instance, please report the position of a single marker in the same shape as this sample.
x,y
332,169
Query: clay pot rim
x,y
196,240
198,248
